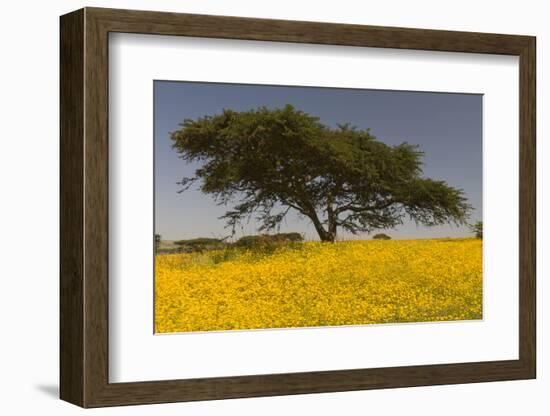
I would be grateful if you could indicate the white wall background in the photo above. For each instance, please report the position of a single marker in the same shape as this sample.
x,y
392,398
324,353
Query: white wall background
x,y
29,83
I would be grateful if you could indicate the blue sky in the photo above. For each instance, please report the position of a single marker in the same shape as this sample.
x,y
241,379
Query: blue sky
x,y
446,126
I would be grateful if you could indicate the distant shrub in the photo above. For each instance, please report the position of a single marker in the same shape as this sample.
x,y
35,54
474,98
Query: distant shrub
x,y
293,237
157,242
251,241
169,250
199,244
477,229
381,236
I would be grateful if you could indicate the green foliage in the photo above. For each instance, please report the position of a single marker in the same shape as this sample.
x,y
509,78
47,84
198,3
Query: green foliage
x,y
200,244
251,241
477,229
198,241
292,237
266,244
381,236
157,242
267,162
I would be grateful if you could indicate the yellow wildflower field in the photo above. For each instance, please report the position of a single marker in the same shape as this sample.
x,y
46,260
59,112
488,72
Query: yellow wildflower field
x,y
320,284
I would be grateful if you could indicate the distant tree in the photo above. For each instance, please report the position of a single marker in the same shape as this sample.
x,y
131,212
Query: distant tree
x,y
271,161
477,229
157,242
381,236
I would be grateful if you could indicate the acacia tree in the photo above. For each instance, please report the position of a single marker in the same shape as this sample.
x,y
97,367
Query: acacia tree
x,y
267,162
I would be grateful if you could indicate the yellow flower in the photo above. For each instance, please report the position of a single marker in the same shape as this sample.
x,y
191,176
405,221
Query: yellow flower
x,y
318,284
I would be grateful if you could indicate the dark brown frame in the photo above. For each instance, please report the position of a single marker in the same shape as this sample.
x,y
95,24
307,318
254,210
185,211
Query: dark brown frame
x,y
84,209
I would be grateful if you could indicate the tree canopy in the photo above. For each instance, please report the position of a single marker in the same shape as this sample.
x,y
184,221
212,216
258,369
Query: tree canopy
x,y
267,162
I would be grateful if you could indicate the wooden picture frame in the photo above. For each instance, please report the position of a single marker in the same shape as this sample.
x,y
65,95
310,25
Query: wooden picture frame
x,y
84,207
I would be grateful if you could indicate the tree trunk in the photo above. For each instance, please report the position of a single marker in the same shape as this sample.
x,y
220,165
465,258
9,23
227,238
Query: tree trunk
x,y
325,235
332,224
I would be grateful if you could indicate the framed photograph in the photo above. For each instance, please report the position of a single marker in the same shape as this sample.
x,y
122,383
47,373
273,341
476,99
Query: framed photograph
x,y
254,207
